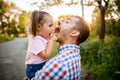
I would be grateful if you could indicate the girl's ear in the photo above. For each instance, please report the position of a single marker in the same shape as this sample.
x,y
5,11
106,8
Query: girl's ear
x,y
75,32
38,27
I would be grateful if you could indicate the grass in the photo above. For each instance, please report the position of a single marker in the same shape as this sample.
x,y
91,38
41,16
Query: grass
x,y
5,39
54,49
100,58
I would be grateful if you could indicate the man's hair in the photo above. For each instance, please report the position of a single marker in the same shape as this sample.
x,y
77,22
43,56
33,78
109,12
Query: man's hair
x,y
83,28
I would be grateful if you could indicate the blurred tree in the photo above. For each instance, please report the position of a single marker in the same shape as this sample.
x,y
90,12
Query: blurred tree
x,y
13,29
9,12
4,7
12,19
95,22
113,11
82,6
117,2
108,10
23,21
102,4
112,15
13,15
50,3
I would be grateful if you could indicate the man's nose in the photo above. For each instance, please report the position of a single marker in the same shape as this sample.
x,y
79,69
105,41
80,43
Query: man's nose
x,y
60,22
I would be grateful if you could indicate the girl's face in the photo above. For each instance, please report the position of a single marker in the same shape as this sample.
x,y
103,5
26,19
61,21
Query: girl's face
x,y
47,28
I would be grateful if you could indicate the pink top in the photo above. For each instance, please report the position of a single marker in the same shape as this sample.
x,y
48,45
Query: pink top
x,y
35,46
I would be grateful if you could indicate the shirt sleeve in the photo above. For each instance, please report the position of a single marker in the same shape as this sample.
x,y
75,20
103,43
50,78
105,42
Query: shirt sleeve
x,y
37,46
51,70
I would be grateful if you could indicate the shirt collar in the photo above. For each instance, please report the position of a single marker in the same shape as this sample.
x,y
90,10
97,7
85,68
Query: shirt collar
x,y
64,48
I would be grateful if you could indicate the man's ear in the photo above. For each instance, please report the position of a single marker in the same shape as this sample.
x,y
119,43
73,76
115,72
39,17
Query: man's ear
x,y
75,33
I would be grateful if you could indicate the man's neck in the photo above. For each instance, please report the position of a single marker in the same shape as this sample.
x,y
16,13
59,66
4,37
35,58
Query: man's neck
x,y
66,43
70,41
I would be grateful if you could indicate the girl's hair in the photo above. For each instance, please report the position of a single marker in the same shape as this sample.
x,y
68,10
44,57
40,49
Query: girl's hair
x,y
37,17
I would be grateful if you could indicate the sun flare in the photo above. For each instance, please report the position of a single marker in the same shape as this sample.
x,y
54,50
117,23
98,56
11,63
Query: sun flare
x,y
57,11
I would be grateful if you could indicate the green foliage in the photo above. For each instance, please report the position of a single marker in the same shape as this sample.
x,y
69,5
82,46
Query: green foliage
x,y
4,39
102,59
13,28
23,19
113,27
117,2
4,7
54,49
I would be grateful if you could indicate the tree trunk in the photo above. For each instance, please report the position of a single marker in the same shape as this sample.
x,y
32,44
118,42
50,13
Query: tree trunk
x,y
102,25
82,6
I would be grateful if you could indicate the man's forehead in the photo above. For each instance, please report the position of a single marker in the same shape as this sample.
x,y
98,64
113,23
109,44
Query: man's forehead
x,y
73,19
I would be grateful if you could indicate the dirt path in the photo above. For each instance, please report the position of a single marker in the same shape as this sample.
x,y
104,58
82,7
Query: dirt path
x,y
12,56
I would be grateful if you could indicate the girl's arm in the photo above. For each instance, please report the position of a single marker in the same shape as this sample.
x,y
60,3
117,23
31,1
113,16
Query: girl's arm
x,y
47,52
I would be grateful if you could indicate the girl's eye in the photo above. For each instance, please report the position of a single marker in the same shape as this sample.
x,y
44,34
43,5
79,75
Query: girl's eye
x,y
50,25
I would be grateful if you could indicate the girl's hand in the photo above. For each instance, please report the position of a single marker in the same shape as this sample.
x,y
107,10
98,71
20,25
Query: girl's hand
x,y
53,37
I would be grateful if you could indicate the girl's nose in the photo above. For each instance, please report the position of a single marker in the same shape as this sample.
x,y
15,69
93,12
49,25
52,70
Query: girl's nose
x,y
52,28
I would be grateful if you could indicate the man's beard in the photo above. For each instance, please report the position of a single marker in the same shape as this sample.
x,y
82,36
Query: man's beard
x,y
60,41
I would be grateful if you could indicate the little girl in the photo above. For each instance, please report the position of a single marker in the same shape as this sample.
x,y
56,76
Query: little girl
x,y
40,41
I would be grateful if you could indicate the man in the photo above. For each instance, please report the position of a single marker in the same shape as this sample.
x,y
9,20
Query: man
x,y
66,64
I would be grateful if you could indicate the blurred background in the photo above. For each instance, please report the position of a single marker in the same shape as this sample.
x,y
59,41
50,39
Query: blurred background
x,y
100,54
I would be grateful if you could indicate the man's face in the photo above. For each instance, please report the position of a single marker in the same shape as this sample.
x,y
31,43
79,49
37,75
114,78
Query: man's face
x,y
65,29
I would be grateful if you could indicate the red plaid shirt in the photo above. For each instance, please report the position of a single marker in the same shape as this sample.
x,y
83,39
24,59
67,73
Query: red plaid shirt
x,y
64,66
